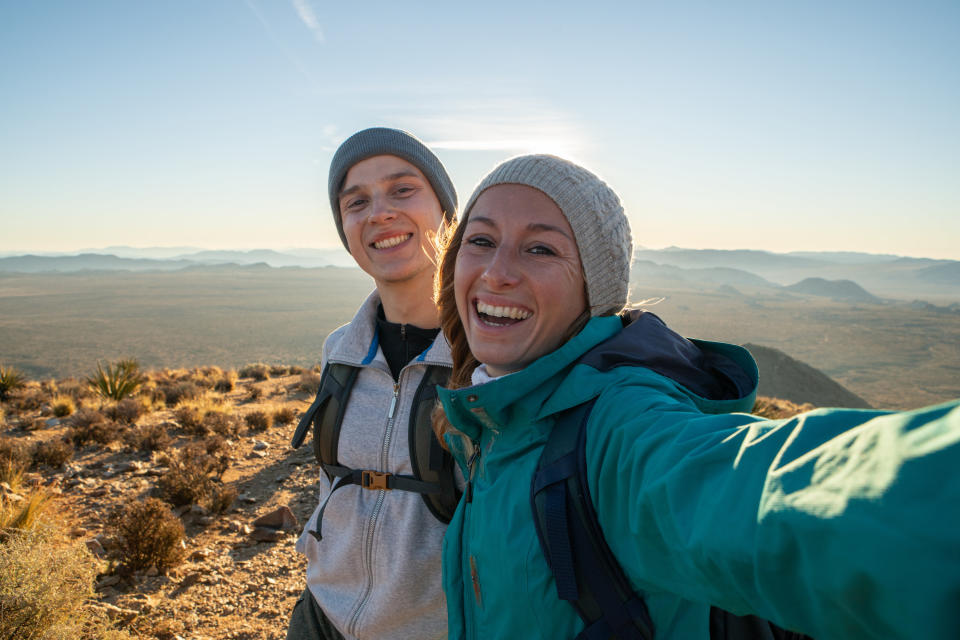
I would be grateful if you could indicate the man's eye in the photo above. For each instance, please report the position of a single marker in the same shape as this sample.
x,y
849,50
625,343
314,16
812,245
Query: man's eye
x,y
353,204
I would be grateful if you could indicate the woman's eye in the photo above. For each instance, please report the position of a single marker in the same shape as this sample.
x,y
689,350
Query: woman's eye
x,y
541,250
353,204
403,191
480,241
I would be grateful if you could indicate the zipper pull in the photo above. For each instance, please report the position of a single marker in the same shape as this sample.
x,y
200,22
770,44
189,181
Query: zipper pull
x,y
393,401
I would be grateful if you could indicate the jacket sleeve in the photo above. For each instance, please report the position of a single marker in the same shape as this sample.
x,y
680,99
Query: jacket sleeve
x,y
837,523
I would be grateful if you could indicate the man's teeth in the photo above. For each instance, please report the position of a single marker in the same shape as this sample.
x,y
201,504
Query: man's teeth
x,y
503,312
391,242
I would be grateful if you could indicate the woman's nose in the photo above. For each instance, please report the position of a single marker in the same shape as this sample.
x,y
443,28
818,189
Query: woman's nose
x,y
502,270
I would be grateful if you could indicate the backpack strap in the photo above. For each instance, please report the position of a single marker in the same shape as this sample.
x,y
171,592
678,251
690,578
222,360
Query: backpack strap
x,y
436,484
431,462
585,570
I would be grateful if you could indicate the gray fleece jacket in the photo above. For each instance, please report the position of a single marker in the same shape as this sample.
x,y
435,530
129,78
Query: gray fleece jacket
x,y
376,572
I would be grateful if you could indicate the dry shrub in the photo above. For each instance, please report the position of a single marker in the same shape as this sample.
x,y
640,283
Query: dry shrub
x,y
53,453
147,535
221,423
153,437
176,392
279,370
43,586
259,420
63,405
206,376
15,459
194,472
254,393
294,370
221,499
29,398
257,371
284,415
776,408
128,410
309,382
226,383
75,389
89,425
190,418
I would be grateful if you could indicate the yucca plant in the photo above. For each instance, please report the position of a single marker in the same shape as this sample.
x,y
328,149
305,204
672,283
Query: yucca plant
x,y
117,381
10,380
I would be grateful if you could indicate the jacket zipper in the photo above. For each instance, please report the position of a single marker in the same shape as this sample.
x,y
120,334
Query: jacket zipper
x,y
375,514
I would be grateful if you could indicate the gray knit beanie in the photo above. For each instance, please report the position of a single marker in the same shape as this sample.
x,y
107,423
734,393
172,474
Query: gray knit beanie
x,y
593,210
378,141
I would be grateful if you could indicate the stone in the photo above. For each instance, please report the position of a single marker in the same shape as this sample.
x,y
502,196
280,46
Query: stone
x,y
52,422
190,579
280,518
257,454
266,534
107,581
94,547
261,445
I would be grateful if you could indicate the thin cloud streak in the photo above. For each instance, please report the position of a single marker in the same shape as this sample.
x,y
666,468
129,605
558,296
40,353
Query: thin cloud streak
x,y
281,46
309,18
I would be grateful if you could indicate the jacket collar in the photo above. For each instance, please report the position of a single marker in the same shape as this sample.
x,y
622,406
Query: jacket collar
x,y
519,397
359,345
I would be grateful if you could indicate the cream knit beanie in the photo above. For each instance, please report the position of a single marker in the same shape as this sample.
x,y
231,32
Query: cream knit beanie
x,y
593,210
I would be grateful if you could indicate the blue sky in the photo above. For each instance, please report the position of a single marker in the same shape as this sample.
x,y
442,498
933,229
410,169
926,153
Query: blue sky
x,y
768,125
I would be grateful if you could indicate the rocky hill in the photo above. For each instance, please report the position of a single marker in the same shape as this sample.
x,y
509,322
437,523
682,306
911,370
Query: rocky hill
x,y
840,290
784,377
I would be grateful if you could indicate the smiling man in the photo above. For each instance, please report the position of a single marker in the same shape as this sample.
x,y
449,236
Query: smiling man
x,y
373,542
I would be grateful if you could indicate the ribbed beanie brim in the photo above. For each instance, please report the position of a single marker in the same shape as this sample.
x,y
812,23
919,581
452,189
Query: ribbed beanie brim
x,y
595,214
378,141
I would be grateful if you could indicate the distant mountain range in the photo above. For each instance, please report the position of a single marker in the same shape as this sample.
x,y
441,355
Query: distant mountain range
x,y
860,278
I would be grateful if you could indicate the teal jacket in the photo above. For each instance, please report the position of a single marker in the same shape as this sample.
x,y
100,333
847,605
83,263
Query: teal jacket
x,y
836,523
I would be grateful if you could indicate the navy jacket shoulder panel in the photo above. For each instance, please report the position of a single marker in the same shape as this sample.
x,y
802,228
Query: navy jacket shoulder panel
x,y
647,342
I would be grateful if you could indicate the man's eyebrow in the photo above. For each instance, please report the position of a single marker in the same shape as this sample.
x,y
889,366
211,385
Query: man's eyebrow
x,y
389,178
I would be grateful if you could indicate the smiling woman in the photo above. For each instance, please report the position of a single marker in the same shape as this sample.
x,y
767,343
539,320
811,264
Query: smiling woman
x,y
613,464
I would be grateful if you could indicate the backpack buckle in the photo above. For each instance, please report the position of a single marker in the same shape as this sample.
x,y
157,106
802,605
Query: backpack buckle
x,y
374,480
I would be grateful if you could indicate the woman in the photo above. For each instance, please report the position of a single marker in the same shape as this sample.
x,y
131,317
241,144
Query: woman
x,y
835,523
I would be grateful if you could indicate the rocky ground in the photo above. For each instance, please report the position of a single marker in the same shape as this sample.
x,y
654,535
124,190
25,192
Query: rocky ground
x,y
238,581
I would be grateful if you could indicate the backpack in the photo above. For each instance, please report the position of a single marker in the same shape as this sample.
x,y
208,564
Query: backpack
x,y
433,466
587,574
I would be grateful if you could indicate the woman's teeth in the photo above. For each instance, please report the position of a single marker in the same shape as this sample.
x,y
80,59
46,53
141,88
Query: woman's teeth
x,y
514,313
391,242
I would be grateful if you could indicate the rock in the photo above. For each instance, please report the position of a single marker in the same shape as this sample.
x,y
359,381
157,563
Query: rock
x,y
152,571
246,498
190,579
78,532
266,534
182,509
52,422
38,423
280,518
257,454
107,581
94,547
260,445
197,510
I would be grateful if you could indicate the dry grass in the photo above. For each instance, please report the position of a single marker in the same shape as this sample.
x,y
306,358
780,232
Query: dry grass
x,y
257,370
776,408
63,405
22,515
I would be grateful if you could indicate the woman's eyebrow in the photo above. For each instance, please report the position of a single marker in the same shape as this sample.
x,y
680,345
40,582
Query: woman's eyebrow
x,y
541,226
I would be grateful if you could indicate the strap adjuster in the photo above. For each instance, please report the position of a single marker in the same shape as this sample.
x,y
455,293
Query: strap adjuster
x,y
374,480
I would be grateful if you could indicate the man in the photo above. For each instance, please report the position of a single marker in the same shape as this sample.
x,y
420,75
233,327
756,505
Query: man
x,y
373,555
